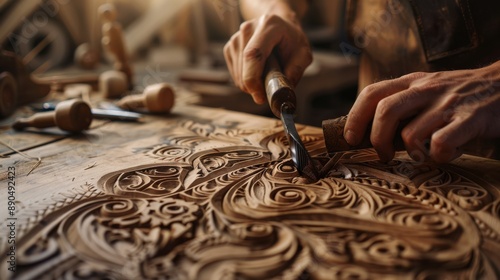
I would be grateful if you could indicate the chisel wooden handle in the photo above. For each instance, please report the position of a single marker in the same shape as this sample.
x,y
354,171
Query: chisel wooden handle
x,y
333,131
279,90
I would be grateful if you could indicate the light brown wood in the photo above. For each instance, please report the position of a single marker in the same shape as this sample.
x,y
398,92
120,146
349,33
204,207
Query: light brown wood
x,y
212,194
86,56
8,94
112,40
113,84
157,98
81,91
140,33
70,115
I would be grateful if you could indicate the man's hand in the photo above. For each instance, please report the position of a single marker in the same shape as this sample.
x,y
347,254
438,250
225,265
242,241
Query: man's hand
x,y
248,49
446,109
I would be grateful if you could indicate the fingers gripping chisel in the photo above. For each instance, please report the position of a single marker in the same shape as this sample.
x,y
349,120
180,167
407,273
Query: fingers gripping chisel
x,y
282,101
336,145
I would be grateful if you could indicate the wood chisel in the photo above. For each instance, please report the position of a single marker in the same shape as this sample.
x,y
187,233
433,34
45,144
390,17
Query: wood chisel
x,y
333,132
282,101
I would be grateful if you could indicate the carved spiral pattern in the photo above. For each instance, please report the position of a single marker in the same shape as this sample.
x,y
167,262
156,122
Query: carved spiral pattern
x,y
425,222
285,170
289,198
155,181
468,197
228,203
170,153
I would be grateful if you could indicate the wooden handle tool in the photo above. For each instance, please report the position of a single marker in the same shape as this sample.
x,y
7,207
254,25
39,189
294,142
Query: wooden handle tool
x,y
281,98
279,90
333,131
70,115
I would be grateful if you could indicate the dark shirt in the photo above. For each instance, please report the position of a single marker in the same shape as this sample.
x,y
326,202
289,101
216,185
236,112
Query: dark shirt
x,y
397,37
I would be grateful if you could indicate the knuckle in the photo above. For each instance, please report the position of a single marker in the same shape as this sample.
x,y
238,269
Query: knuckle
x,y
253,54
413,76
385,109
369,89
399,99
451,100
352,117
271,19
233,42
441,151
427,87
438,141
408,135
234,37
227,49
246,28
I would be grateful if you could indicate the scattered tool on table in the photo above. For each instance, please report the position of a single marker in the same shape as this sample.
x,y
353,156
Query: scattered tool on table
x,y
113,114
113,42
156,98
113,84
71,115
18,87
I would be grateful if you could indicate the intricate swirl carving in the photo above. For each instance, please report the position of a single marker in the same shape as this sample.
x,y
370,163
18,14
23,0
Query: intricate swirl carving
x,y
110,233
468,198
245,248
170,153
227,202
149,181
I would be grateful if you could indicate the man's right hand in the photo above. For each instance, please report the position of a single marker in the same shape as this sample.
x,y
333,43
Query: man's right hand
x,y
248,49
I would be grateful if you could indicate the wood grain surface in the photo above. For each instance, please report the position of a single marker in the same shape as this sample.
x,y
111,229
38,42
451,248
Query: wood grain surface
x,y
212,194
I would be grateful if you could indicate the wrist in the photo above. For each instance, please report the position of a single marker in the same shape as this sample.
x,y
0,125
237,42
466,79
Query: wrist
x,y
290,10
282,9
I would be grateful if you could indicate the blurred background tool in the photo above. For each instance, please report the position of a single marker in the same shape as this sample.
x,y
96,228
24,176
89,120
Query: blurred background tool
x,y
113,41
157,98
18,87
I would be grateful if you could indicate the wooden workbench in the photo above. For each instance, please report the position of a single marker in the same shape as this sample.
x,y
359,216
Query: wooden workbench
x,y
212,194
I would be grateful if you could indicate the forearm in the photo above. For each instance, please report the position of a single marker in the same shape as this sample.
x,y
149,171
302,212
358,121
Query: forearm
x,y
251,9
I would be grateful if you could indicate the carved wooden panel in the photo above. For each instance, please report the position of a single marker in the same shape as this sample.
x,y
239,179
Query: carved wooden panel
x,y
222,200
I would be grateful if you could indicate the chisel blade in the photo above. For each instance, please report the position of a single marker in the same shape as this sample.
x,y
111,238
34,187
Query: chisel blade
x,y
299,154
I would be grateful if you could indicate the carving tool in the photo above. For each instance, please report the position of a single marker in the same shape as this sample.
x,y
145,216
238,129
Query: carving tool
x,y
282,101
336,145
156,98
107,114
19,87
71,115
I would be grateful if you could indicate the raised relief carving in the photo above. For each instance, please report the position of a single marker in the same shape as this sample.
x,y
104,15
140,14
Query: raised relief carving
x,y
226,202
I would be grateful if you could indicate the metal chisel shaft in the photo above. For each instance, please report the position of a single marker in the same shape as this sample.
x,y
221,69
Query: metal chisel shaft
x,y
282,101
